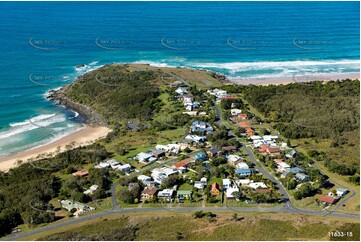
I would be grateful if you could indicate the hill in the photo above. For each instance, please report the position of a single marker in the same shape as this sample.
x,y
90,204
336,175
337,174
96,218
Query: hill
x,y
122,91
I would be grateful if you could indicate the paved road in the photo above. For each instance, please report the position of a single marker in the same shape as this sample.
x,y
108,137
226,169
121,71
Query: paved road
x,y
103,214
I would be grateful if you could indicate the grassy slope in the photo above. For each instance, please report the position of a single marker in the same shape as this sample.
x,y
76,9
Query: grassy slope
x,y
165,226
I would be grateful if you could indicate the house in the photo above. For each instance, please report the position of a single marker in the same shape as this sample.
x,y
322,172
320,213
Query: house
x,y
166,194
250,132
181,90
199,185
201,127
244,172
102,165
91,190
269,150
114,164
244,182
341,192
256,185
233,159
229,149
293,170
204,181
242,116
196,138
144,178
148,193
215,190
184,194
327,199
235,111
145,158
242,166
70,205
201,156
230,192
156,153
291,154
214,152
226,183
125,168
301,177
81,173
181,166
245,124
158,174
282,166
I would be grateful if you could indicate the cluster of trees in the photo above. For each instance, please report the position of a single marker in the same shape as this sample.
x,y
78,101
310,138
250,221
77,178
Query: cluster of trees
x,y
25,191
312,110
117,93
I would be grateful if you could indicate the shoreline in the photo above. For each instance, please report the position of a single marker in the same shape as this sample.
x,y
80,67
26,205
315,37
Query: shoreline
x,y
264,81
83,136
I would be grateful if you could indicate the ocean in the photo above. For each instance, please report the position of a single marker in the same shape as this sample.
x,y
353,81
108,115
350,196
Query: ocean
x,y
42,43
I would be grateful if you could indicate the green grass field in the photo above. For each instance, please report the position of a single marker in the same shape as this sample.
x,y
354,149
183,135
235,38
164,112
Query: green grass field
x,y
182,226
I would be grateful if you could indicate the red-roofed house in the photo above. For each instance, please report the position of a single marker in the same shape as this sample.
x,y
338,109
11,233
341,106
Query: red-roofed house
x,y
243,116
279,160
244,124
327,199
215,190
267,150
81,173
250,132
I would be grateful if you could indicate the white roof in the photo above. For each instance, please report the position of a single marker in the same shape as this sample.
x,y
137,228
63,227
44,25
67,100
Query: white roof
x,y
143,177
243,181
256,185
143,155
283,164
242,165
255,137
226,181
102,165
125,166
198,185
231,190
234,158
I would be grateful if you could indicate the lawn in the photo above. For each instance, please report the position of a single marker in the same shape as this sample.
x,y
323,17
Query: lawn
x,y
182,226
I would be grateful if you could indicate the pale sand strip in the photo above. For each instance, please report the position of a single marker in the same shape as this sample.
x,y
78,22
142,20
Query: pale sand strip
x,y
294,79
81,137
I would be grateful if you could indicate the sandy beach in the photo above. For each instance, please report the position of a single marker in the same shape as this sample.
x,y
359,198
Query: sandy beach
x,y
296,78
83,136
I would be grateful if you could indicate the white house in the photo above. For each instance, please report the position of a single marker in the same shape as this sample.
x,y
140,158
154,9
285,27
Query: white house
x,y
341,192
144,178
166,194
256,185
282,166
102,165
231,190
235,111
199,185
233,158
226,183
244,182
195,138
91,189
181,90
242,165
125,168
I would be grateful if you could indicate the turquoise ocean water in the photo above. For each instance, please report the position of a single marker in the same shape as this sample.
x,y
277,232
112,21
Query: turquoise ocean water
x,y
41,44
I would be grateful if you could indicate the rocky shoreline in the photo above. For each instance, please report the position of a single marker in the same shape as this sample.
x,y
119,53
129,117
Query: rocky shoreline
x,y
90,116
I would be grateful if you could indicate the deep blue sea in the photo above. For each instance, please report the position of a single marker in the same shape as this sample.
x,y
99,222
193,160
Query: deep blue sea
x,y
41,44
